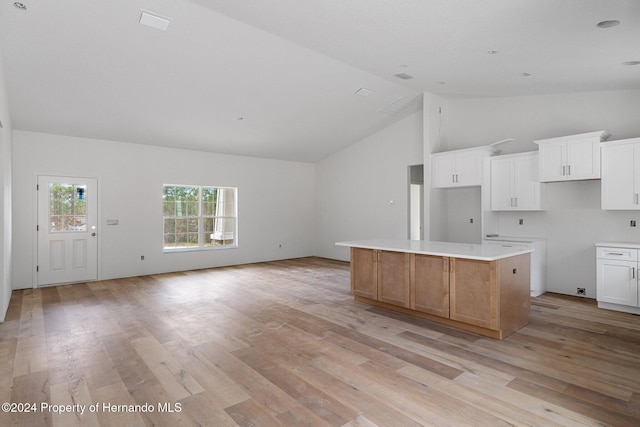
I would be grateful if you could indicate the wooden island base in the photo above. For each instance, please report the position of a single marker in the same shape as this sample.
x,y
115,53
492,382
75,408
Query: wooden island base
x,y
487,297
442,320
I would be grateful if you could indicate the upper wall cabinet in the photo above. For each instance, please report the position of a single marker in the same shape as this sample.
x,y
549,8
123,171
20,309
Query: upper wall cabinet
x,y
514,183
571,158
621,174
459,168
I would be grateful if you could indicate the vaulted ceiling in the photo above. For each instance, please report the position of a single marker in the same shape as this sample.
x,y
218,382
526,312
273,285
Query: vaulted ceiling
x,y
278,78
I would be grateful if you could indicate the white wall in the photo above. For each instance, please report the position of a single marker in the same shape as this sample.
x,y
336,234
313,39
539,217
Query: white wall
x,y
355,186
574,220
5,197
275,202
480,121
434,141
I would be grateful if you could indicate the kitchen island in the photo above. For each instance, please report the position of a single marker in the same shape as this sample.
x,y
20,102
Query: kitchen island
x,y
478,288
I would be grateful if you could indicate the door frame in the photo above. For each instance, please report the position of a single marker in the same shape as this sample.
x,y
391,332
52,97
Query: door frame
x,y
34,222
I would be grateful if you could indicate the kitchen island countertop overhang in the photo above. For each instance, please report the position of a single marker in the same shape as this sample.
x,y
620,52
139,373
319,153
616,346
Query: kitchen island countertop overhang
x,y
446,249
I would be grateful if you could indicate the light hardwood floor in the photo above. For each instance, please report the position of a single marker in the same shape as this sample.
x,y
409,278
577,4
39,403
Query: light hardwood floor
x,y
283,343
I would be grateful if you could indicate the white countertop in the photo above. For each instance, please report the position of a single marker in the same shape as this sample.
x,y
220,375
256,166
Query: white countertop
x,y
448,249
628,245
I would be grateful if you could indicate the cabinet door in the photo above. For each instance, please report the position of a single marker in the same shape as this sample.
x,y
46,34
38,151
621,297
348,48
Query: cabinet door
x,y
619,189
502,196
583,158
430,285
526,184
617,282
474,292
442,170
364,277
515,184
552,161
468,170
393,278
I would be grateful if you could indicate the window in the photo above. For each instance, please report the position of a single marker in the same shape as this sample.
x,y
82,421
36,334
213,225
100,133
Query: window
x,y
67,208
199,217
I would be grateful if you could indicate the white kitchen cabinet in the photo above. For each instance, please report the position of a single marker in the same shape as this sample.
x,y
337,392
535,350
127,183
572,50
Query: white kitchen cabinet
x,y
459,168
514,183
617,276
620,185
538,279
571,158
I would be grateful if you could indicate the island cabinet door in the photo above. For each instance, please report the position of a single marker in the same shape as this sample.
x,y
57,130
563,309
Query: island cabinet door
x,y
394,269
474,292
430,285
364,276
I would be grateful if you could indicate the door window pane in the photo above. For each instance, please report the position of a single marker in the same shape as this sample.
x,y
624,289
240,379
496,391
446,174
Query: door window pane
x,y
67,208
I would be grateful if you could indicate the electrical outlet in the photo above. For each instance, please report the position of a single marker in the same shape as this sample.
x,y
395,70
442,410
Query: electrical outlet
x,y
521,221
141,257
581,291
632,223
471,220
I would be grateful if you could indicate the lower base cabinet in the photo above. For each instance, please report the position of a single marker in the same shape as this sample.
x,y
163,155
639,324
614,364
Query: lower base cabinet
x,y
430,285
393,278
487,297
474,292
364,275
381,275
617,283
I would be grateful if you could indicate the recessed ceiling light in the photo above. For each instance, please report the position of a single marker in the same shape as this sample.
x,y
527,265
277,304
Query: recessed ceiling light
x,y
154,21
631,63
403,76
608,24
20,5
492,52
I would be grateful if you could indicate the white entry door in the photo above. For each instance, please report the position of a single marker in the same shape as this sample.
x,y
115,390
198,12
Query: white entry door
x,y
67,230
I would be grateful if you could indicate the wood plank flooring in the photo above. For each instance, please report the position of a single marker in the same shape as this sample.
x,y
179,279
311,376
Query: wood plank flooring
x,y
283,343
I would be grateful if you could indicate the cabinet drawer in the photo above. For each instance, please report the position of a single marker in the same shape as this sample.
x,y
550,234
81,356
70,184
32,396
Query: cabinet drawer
x,y
505,244
621,254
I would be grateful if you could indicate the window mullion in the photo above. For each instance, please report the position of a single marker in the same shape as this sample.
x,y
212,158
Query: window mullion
x,y
200,222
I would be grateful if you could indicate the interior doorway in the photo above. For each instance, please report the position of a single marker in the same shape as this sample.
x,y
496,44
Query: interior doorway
x,y
416,202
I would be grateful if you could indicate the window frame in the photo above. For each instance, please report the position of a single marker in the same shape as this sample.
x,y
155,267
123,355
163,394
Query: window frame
x,y
201,220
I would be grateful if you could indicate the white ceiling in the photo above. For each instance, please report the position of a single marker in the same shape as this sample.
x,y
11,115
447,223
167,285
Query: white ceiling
x,y
289,68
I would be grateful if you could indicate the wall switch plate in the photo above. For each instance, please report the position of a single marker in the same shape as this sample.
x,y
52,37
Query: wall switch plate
x,y
521,221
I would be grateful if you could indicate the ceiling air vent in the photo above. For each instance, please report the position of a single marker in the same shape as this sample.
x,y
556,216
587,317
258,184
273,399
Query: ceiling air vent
x,y
363,91
154,21
395,106
403,76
